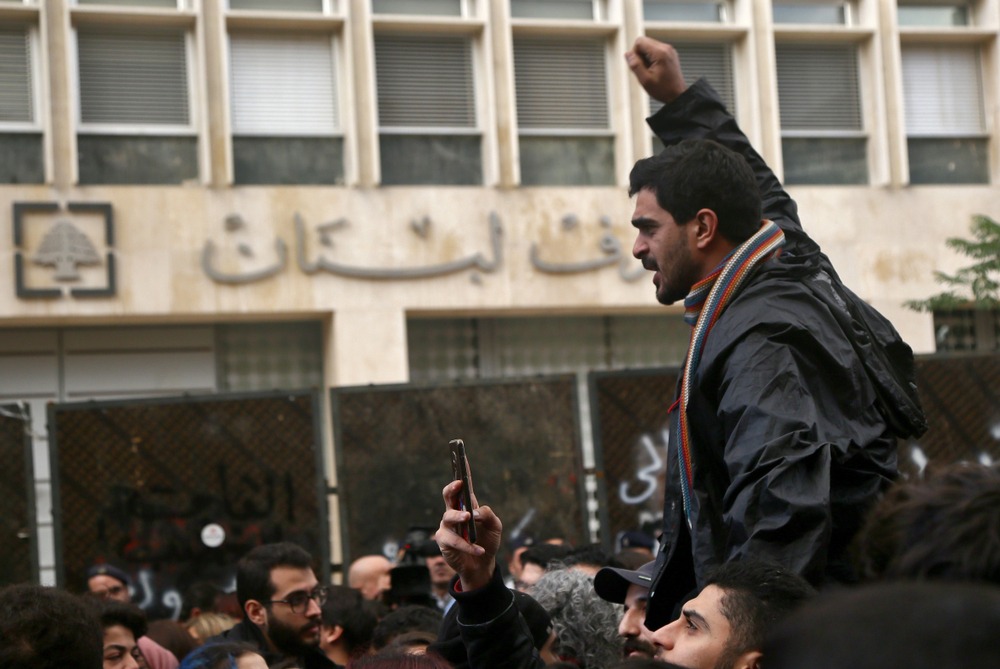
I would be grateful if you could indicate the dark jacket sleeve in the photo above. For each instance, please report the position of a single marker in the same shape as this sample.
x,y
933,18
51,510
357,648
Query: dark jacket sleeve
x,y
494,633
699,113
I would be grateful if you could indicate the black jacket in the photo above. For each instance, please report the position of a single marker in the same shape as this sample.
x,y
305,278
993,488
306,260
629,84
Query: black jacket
x,y
492,631
794,409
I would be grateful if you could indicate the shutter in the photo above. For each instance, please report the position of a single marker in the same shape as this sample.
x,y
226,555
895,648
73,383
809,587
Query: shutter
x,y
166,4
561,84
942,90
818,87
714,62
278,5
134,76
552,9
15,77
419,7
282,85
425,81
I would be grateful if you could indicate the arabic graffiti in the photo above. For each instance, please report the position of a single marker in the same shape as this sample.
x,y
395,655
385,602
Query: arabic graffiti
x,y
158,532
643,492
310,257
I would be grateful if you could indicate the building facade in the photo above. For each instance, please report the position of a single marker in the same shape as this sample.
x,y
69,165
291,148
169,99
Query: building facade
x,y
212,195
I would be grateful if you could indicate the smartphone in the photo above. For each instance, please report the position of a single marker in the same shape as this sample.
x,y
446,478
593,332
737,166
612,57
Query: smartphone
x,y
460,471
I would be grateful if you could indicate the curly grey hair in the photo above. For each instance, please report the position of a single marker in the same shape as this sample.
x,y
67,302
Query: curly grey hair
x,y
586,626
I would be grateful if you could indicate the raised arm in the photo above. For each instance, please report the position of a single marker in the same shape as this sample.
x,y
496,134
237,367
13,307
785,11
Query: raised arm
x,y
697,112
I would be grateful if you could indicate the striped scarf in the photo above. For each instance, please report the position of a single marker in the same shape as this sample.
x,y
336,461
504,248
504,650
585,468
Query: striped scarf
x,y
702,308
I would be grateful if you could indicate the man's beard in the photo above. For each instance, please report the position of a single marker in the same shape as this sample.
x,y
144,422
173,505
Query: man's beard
x,y
288,639
635,644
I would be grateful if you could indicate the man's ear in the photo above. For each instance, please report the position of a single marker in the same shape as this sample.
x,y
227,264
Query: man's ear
x,y
331,633
706,228
256,612
748,660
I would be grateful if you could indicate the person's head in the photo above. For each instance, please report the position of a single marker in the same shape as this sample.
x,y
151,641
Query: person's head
x,y
207,625
370,575
695,201
536,560
412,618
917,625
224,655
279,593
515,548
586,626
348,624
45,628
107,581
631,589
588,559
123,624
399,660
172,635
440,571
200,597
725,625
941,528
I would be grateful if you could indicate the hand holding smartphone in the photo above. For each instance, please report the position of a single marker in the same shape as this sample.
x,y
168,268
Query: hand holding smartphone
x,y
460,472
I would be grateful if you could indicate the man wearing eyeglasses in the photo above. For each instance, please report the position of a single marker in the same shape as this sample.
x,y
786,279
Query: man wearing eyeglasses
x,y
281,599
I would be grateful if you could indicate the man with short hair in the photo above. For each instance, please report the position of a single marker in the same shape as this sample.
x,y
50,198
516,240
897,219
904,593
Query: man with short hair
x,y
29,640
280,598
631,589
793,390
370,575
724,627
348,624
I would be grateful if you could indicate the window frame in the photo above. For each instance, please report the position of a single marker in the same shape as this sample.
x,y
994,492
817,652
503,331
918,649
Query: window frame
x,y
36,82
474,27
981,34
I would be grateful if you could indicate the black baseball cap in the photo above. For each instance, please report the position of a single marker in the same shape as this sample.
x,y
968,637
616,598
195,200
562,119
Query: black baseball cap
x,y
611,583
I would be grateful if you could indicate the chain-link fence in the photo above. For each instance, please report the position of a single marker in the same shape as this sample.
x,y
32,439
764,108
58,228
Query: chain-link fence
x,y
17,522
175,491
960,395
393,457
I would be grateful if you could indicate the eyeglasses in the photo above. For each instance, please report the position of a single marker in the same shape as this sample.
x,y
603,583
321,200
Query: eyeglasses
x,y
298,602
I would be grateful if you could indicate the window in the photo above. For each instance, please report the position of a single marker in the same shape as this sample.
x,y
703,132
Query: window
x,y
945,119
676,10
823,139
812,11
162,4
21,151
286,127
562,111
938,14
428,127
277,5
967,330
586,10
135,119
419,7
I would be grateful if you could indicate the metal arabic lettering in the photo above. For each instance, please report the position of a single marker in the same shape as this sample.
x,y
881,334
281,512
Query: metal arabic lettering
x,y
479,263
476,261
608,245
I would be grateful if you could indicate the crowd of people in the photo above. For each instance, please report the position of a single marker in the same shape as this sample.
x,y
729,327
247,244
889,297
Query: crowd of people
x,y
928,560
788,540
